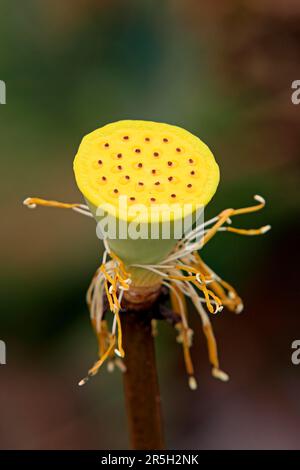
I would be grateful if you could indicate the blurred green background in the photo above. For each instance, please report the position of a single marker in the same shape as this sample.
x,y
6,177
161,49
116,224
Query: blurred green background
x,y
222,71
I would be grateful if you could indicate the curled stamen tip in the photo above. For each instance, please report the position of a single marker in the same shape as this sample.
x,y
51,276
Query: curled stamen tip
x,y
27,203
239,308
219,309
265,229
193,383
259,198
198,278
83,381
111,289
219,374
190,333
119,353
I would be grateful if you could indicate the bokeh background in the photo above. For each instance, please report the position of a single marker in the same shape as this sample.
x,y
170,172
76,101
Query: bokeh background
x,y
223,70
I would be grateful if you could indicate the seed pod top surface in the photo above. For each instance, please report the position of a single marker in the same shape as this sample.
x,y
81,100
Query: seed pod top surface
x,y
149,162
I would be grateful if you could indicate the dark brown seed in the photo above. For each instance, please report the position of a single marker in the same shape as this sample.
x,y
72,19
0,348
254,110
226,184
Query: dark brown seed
x,y
106,145
116,190
103,178
147,139
125,137
153,172
189,185
191,160
100,162
119,155
156,154
157,183
127,177
119,167
165,139
132,198
138,150
140,165
173,195
141,183
170,178
170,163
178,149
152,199
192,173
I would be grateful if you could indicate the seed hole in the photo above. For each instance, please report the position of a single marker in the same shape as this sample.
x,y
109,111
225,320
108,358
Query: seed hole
x,y
140,165
137,150
153,172
106,144
157,183
132,198
119,155
170,178
189,185
147,139
125,137
152,199
127,177
155,154
100,162
140,183
116,190
165,139
173,195
170,163
178,149
192,173
191,160
119,167
103,178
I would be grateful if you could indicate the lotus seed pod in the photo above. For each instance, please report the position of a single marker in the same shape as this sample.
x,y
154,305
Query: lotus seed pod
x,y
147,179
142,179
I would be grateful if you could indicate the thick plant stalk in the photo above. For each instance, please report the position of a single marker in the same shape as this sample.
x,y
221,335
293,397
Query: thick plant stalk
x,y
142,395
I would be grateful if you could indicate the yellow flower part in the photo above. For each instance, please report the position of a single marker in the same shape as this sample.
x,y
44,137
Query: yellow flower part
x,y
148,162
153,164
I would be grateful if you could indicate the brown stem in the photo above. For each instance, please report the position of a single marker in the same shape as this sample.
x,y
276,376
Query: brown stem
x,y
140,382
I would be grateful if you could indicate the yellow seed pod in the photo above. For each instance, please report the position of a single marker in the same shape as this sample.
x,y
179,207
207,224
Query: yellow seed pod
x,y
149,165
148,162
